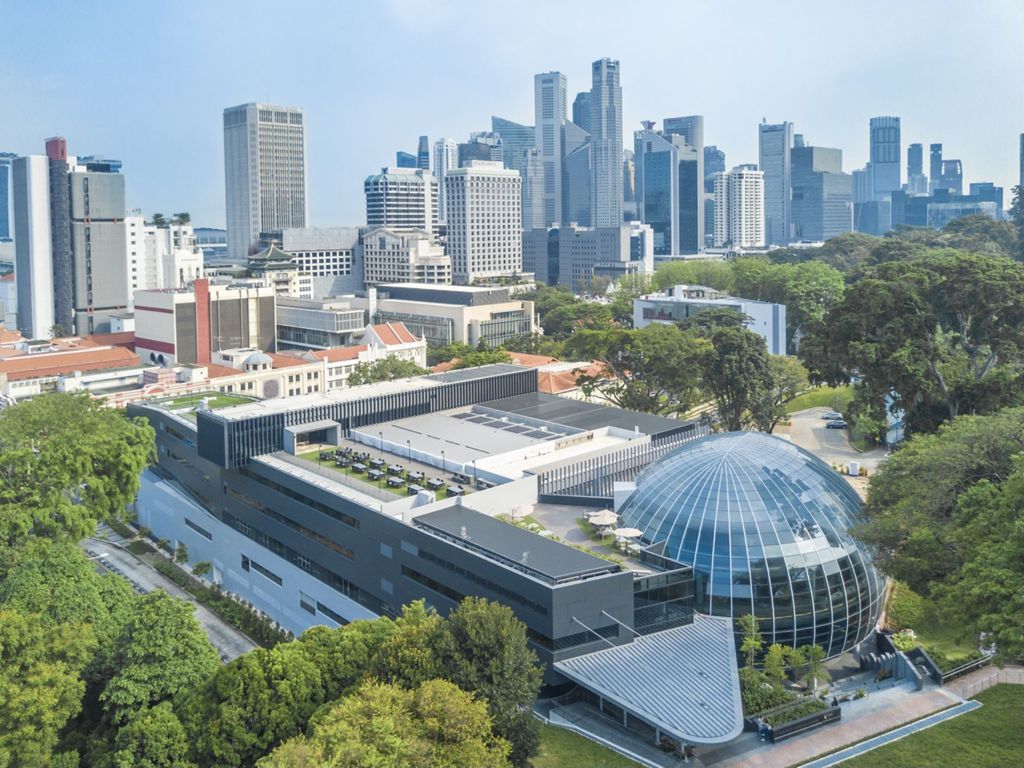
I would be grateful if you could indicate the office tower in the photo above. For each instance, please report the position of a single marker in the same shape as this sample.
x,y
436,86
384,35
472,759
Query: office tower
x,y
885,156
670,190
798,140
691,181
581,110
482,145
33,259
518,153
532,190
160,257
987,191
774,144
405,160
549,106
423,153
953,176
485,234
575,174
739,209
402,198
60,234
822,201
861,185
516,140
5,194
934,166
629,185
606,138
264,172
446,157
714,162
917,182
1020,181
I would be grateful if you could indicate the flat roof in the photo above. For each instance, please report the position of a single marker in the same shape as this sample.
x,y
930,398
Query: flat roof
x,y
682,680
513,546
468,374
581,414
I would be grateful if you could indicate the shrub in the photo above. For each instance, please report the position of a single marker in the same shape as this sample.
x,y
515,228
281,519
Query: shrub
x,y
883,674
759,693
802,709
906,608
905,641
860,693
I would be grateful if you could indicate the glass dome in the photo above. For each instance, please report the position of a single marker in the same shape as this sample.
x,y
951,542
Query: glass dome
x,y
764,525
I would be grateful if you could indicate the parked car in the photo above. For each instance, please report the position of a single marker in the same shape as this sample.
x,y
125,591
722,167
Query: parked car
x,y
836,424
832,416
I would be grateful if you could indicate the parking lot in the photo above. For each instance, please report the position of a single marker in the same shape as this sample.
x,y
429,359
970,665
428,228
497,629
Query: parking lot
x,y
808,430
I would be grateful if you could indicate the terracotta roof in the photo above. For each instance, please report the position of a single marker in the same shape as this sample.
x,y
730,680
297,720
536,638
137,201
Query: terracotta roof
x,y
558,381
8,278
125,339
285,361
394,333
65,362
215,371
340,354
10,337
531,361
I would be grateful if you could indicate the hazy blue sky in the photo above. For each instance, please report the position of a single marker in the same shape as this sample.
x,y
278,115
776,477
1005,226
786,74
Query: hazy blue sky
x,y
146,82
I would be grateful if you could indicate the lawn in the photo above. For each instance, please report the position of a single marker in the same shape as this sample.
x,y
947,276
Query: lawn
x,y
560,748
217,400
989,737
949,641
836,398
314,456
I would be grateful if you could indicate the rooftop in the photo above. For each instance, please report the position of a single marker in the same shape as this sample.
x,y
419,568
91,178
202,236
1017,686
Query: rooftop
x,y
514,547
580,414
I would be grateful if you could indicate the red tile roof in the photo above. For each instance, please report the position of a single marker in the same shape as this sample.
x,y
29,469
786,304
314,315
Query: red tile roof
x,y
285,361
215,371
125,339
340,354
394,333
66,362
556,382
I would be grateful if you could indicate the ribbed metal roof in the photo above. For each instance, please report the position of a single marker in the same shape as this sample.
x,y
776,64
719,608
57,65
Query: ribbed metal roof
x,y
682,680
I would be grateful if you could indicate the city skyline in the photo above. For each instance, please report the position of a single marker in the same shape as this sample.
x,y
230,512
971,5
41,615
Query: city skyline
x,y
829,86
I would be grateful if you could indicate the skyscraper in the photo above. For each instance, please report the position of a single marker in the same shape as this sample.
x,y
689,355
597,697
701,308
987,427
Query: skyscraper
x,y
691,187
405,160
822,203
5,194
423,153
953,176
739,209
669,190
33,258
518,153
402,199
482,145
264,172
549,105
606,141
575,175
714,162
917,182
581,110
446,157
485,234
934,166
885,156
60,234
774,144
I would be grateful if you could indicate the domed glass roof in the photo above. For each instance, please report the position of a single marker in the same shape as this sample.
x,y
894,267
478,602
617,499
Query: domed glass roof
x,y
764,525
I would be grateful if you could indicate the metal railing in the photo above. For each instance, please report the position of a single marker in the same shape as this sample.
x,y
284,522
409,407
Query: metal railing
x,y
1013,676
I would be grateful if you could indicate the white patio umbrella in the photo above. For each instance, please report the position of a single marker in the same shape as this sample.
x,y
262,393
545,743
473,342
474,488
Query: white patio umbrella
x,y
604,517
629,533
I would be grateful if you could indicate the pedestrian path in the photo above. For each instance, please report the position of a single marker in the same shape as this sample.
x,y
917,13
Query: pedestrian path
x,y
894,735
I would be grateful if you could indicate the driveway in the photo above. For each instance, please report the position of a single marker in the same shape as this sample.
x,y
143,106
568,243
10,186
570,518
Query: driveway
x,y
807,429
229,642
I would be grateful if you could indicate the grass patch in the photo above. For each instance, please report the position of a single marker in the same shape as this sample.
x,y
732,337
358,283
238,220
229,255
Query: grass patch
x,y
240,616
989,737
949,646
560,748
836,398
217,400
314,456
527,521
139,547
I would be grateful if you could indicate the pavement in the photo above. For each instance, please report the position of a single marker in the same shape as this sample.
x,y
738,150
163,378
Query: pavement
x,y
807,429
229,642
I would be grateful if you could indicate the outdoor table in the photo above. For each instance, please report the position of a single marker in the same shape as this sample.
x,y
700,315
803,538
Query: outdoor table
x,y
452,490
395,469
416,476
376,463
357,467
434,484
395,481
326,455
413,489
375,474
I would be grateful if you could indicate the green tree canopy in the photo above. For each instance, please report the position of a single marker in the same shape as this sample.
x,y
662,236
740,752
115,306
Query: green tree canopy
x,y
714,274
479,357
384,726
386,369
345,656
788,379
152,738
652,370
737,374
409,656
66,463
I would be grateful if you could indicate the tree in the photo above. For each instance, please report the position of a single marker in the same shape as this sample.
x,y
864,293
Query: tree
x,y
57,331
1017,216
40,684
775,663
533,344
181,218
161,651
251,705
752,641
409,656
788,379
158,220
626,289
344,656
386,369
714,274
434,725
564,320
152,738
181,554
652,370
482,357
66,463
483,650
737,374
442,354
814,663
704,322
201,568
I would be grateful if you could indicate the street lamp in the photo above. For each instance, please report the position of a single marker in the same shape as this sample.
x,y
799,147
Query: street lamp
x,y
442,463
408,444
380,437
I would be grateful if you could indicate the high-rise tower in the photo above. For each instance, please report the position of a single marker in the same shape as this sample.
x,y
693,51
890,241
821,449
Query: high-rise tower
x,y
774,144
885,156
606,141
264,172
549,100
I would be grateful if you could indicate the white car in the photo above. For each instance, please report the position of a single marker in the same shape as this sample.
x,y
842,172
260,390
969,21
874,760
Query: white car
x,y
832,416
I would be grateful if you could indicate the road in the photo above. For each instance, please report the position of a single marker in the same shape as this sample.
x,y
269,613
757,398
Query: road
x,y
229,642
807,429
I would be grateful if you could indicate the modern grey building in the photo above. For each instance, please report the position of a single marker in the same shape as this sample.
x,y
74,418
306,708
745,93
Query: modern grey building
x,y
549,100
691,180
60,233
822,203
402,198
942,206
519,154
405,160
774,144
264,172
581,110
952,176
572,255
576,165
333,256
317,324
917,182
885,156
606,141
423,153
714,162
934,167
482,145
5,194
446,157
670,190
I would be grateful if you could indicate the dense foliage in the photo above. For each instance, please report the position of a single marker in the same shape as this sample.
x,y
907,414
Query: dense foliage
x,y
385,369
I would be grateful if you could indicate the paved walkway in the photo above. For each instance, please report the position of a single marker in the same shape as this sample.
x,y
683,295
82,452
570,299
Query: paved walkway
x,y
894,735
862,719
977,681
229,642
